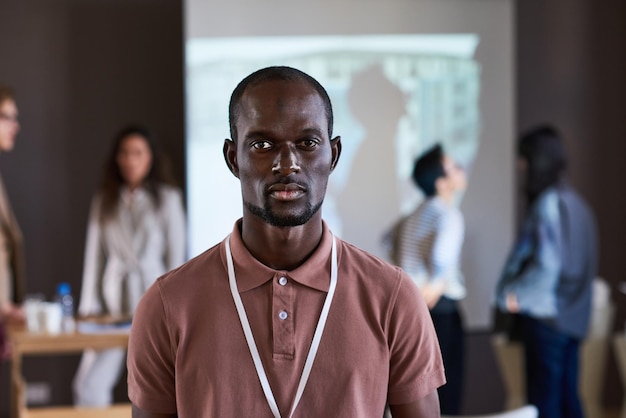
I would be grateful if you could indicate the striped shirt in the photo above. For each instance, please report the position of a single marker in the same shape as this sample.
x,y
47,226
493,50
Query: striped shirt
x,y
429,245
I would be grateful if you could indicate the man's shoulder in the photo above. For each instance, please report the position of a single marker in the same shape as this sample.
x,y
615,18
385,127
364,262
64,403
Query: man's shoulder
x,y
375,281
432,214
430,209
358,259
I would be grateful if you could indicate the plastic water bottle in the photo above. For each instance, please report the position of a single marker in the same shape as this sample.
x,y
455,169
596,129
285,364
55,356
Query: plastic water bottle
x,y
65,298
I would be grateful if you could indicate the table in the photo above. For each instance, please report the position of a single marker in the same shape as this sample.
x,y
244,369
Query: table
x,y
27,343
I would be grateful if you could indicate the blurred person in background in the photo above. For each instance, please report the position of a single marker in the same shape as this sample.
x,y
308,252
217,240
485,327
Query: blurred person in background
x,y
548,276
427,245
136,233
12,282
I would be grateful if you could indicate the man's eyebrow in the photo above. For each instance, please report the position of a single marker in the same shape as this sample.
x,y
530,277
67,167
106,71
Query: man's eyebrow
x,y
268,133
316,131
257,133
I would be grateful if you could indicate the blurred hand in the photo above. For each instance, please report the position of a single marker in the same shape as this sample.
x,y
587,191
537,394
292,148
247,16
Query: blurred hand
x,y
512,305
432,292
5,349
12,314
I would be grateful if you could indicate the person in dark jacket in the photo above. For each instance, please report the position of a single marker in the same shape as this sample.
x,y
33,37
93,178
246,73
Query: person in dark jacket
x,y
548,276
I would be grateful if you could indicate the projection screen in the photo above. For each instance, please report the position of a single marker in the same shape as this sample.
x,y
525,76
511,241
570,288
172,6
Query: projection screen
x,y
402,75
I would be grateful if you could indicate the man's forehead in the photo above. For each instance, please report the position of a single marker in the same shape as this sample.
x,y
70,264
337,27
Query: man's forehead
x,y
282,91
288,96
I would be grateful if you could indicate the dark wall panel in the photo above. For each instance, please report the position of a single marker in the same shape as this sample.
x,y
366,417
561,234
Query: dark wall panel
x,y
81,69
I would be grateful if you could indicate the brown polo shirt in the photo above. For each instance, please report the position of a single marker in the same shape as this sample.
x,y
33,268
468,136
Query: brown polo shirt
x,y
188,352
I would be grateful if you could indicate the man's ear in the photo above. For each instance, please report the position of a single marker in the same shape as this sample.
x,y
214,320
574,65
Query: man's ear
x,y
230,156
335,145
440,185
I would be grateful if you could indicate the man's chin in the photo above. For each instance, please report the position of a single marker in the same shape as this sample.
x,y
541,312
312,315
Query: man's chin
x,y
287,221
284,220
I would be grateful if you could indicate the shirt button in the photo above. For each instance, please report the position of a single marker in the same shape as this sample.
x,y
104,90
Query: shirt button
x,y
282,281
282,315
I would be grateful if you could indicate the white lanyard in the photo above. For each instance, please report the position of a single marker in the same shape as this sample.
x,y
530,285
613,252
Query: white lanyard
x,y
256,358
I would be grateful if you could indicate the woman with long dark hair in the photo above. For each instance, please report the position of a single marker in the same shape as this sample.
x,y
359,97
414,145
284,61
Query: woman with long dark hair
x,y
548,276
136,233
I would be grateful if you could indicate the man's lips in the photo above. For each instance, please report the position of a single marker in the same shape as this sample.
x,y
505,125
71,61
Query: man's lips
x,y
286,192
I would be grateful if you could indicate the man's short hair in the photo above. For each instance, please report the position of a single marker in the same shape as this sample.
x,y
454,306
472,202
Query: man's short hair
x,y
428,168
272,74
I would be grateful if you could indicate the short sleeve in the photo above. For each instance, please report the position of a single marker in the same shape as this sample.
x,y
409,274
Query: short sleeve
x,y
151,359
416,367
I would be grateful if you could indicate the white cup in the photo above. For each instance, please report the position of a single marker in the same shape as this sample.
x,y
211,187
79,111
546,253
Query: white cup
x,y
31,310
50,317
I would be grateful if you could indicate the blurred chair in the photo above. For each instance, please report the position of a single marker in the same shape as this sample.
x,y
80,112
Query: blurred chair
x,y
619,346
510,359
593,354
595,349
528,411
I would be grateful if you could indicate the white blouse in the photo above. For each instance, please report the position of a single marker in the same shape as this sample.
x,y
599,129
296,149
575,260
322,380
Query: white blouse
x,y
128,252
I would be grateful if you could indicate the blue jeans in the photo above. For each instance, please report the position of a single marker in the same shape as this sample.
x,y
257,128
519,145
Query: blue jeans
x,y
551,369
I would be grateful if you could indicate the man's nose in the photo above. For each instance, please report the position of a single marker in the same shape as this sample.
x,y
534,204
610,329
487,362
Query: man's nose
x,y
286,161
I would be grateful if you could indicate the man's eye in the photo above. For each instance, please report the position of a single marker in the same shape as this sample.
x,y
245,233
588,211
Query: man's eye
x,y
310,143
261,145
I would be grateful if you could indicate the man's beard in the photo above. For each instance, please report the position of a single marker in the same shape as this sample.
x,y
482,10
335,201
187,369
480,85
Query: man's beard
x,y
273,219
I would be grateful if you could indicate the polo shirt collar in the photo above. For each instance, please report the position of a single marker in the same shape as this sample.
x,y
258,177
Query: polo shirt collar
x,y
251,273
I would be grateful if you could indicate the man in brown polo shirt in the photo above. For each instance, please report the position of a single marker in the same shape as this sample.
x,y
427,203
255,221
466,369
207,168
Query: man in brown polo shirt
x,y
282,319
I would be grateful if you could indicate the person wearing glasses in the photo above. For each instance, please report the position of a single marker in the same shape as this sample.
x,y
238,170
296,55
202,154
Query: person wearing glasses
x,y
11,241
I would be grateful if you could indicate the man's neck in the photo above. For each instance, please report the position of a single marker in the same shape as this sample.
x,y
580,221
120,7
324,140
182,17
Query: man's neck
x,y
447,197
281,248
